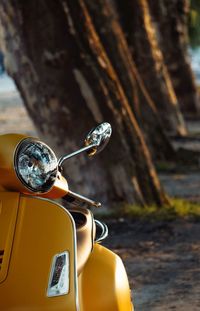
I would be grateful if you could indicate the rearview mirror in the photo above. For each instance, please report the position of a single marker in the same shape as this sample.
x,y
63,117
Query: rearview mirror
x,y
95,142
98,138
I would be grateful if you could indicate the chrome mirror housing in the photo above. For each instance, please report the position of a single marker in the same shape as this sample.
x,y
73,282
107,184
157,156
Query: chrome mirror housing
x,y
98,138
95,142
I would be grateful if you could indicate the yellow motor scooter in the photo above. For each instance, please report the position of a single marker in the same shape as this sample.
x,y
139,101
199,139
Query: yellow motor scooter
x,y
50,258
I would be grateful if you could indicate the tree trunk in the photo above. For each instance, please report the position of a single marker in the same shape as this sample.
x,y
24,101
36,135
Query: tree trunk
x,y
68,83
141,37
115,45
170,18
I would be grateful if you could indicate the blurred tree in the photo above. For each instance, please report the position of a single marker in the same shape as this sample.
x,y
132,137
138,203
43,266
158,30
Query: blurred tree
x,y
170,17
141,37
194,23
68,84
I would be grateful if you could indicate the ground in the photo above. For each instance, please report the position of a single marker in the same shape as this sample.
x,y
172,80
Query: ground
x,y
162,261
162,258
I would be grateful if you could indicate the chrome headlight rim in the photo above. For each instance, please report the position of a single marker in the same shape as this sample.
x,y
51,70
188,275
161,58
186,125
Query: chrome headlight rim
x,y
27,142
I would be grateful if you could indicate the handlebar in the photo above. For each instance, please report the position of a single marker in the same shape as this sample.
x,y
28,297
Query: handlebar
x,y
78,199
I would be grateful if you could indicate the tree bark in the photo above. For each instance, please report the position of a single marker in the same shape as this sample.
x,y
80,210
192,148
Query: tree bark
x,y
141,37
170,18
112,37
68,83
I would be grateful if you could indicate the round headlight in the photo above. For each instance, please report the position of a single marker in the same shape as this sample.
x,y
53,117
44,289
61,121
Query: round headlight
x,y
36,165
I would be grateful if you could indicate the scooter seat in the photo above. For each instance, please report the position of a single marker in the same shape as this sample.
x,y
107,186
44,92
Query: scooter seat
x,y
85,231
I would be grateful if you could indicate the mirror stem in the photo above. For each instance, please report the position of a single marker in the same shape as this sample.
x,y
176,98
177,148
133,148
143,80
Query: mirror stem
x,y
66,157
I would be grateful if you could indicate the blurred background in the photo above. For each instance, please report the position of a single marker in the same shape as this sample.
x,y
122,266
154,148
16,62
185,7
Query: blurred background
x,y
66,66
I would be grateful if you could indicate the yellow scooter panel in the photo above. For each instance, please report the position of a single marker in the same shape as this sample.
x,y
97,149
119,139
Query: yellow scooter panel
x,y
8,217
8,177
103,284
43,229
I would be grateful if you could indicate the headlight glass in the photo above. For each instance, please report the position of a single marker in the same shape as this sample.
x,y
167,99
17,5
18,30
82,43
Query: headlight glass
x,y
36,165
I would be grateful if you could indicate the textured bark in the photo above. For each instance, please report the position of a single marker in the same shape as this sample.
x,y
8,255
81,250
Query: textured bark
x,y
170,18
141,37
112,37
67,82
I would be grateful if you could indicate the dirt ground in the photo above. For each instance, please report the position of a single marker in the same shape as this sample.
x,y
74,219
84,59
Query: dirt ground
x,y
162,258
162,261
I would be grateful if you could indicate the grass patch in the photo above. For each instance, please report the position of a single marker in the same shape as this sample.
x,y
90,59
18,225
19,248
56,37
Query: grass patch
x,y
184,208
178,209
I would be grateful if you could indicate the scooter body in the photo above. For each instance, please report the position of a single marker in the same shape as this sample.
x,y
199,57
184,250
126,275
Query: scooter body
x,y
37,231
39,265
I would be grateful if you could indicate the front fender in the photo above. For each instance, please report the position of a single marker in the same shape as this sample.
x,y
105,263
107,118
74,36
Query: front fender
x,y
103,284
